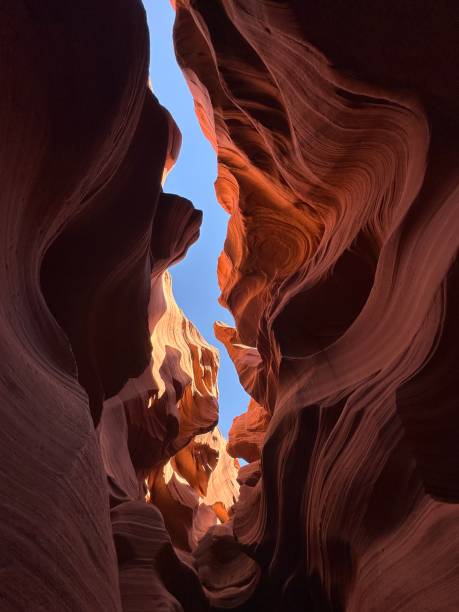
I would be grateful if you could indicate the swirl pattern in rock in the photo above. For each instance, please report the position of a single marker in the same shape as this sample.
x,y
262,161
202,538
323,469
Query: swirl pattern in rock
x,y
335,126
154,450
86,237
75,138
336,129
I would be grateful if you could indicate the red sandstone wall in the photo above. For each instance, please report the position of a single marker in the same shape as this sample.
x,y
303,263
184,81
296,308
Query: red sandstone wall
x,y
335,126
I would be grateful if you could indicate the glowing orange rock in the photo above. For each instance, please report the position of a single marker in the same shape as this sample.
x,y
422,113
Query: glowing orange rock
x,y
196,489
247,433
336,135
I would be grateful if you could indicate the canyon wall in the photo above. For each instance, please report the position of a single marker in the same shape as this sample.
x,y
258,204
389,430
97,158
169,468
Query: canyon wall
x,y
77,203
108,394
336,129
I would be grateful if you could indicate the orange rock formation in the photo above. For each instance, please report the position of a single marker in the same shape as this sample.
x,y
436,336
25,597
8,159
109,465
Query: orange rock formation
x,y
335,126
87,236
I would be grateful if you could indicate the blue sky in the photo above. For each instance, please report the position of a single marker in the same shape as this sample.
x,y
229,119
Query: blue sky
x,y
195,279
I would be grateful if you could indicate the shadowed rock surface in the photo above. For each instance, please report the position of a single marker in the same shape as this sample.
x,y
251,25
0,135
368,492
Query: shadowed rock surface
x,y
335,127
72,129
86,237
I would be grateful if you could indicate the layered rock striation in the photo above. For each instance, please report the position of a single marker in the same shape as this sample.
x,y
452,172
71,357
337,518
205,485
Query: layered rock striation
x,y
102,378
169,476
80,184
335,127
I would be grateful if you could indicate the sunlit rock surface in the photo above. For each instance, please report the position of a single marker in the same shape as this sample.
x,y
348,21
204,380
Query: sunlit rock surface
x,y
102,378
160,448
163,422
336,130
196,489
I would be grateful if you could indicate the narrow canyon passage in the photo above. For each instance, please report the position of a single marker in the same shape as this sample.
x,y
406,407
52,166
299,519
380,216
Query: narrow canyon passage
x,y
195,277
331,132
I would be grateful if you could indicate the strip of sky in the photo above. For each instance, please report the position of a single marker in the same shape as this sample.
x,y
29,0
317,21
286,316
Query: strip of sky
x,y
195,281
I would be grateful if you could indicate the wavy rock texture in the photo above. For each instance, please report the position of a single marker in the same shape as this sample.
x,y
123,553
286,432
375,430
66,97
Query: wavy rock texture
x,y
86,238
176,397
336,130
335,126
153,449
80,181
196,489
152,576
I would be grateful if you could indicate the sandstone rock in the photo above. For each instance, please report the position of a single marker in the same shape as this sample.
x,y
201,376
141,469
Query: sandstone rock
x,y
336,129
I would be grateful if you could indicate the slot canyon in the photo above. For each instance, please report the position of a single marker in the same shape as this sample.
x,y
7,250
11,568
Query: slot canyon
x,y
335,128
